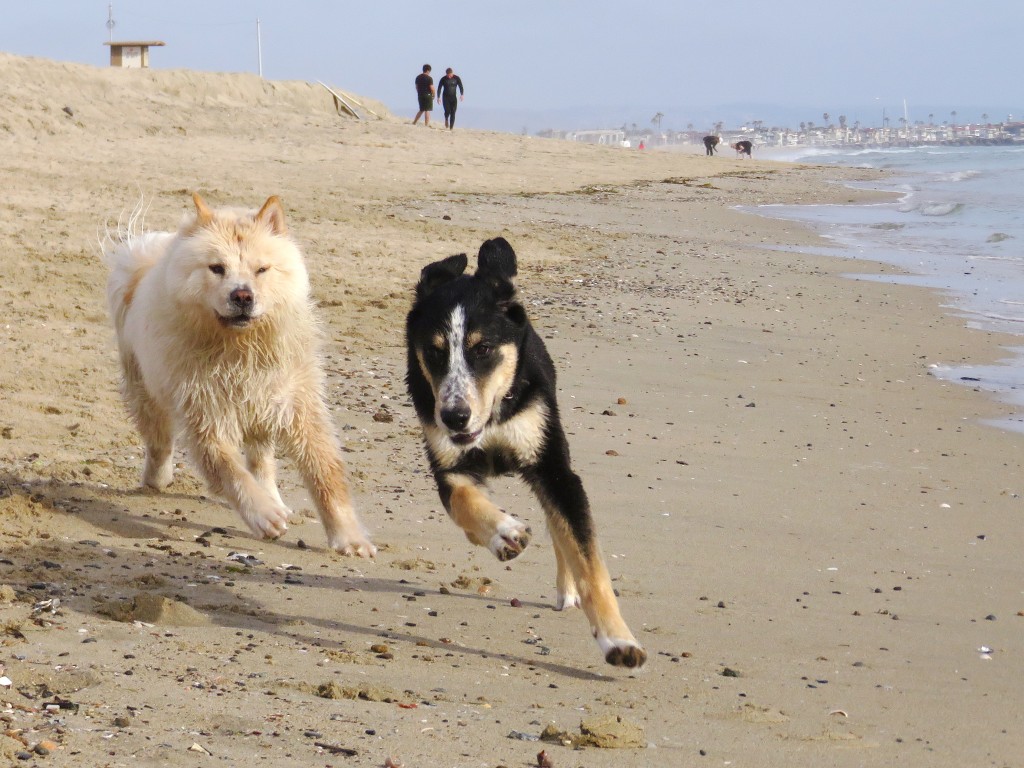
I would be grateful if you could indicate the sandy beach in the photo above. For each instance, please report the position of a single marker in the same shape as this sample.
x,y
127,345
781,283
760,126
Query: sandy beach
x,y
814,539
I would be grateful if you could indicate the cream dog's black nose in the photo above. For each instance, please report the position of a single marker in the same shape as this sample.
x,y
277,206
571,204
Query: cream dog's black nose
x,y
241,298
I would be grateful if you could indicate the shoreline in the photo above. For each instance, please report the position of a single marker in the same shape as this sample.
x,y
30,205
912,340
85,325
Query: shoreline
x,y
974,295
785,492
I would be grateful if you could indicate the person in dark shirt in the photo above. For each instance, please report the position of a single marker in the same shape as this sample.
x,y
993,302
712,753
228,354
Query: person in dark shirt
x,y
446,94
424,95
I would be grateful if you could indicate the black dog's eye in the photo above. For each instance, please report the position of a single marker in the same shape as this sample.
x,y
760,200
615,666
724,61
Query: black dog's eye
x,y
435,353
482,350
217,269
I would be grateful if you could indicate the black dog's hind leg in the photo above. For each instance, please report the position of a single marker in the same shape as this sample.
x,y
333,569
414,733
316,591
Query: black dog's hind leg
x,y
582,576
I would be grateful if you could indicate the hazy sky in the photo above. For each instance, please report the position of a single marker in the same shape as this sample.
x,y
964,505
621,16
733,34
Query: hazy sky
x,y
545,55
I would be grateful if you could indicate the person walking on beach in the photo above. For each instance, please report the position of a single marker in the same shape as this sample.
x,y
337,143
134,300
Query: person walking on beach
x,y
446,88
425,95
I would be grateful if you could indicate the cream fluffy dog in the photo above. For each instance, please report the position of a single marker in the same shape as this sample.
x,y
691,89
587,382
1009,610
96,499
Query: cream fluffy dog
x,y
218,344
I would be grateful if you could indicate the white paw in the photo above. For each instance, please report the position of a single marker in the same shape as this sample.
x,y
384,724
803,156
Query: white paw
x,y
269,520
158,476
620,652
510,539
567,599
358,545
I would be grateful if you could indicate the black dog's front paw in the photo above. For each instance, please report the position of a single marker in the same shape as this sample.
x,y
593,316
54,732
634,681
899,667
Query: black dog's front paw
x,y
510,540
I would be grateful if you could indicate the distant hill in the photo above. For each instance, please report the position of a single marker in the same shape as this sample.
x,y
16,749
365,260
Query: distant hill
x,y
41,95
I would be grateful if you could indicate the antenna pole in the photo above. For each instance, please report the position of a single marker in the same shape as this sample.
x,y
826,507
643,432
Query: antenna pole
x,y
259,46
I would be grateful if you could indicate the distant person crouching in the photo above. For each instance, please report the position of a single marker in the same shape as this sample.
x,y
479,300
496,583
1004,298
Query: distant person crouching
x,y
742,148
710,142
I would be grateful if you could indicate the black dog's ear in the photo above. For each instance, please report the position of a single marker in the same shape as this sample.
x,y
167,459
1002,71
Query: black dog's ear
x,y
496,259
440,272
497,265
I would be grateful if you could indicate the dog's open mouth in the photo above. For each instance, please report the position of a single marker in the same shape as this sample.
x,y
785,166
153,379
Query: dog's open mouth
x,y
236,321
465,438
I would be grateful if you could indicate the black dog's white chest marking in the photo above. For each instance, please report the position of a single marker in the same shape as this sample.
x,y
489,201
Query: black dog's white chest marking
x,y
521,438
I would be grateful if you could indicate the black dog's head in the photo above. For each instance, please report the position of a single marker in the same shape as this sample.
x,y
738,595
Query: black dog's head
x,y
463,335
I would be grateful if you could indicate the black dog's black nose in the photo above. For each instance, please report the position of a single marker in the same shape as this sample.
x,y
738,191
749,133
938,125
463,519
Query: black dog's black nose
x,y
241,298
456,418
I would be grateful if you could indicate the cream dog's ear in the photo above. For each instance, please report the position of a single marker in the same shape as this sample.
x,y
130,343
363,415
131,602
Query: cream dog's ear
x,y
203,213
273,214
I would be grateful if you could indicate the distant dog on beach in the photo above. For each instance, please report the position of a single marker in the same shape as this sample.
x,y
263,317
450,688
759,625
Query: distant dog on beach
x,y
710,144
483,386
742,148
217,339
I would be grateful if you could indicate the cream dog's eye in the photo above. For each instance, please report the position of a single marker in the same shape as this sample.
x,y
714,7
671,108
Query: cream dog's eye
x,y
217,269
261,270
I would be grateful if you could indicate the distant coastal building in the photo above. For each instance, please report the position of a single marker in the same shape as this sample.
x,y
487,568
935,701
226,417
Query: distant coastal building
x,y
131,55
611,137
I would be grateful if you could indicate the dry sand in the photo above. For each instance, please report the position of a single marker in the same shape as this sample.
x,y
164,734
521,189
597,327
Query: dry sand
x,y
812,537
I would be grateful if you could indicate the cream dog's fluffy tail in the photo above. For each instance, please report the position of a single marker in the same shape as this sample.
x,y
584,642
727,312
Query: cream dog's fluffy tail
x,y
129,252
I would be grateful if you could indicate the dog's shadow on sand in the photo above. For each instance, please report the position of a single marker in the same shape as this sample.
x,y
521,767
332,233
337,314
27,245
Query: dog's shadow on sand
x,y
133,554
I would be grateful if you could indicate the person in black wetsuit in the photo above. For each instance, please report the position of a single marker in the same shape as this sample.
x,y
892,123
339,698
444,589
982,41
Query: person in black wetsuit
x,y
424,95
446,94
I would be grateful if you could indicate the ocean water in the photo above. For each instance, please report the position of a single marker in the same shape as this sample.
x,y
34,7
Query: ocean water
x,y
958,226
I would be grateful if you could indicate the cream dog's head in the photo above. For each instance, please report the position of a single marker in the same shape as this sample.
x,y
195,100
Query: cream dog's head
x,y
239,266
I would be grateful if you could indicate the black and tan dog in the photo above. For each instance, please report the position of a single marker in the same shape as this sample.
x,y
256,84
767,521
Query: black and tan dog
x,y
483,386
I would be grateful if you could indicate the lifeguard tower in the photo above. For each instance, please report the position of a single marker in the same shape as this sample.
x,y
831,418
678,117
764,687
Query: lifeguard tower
x,y
131,54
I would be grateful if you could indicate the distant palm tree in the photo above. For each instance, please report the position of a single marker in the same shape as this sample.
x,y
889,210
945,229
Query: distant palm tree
x,y
842,122
931,119
953,115
656,120
826,116
984,117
